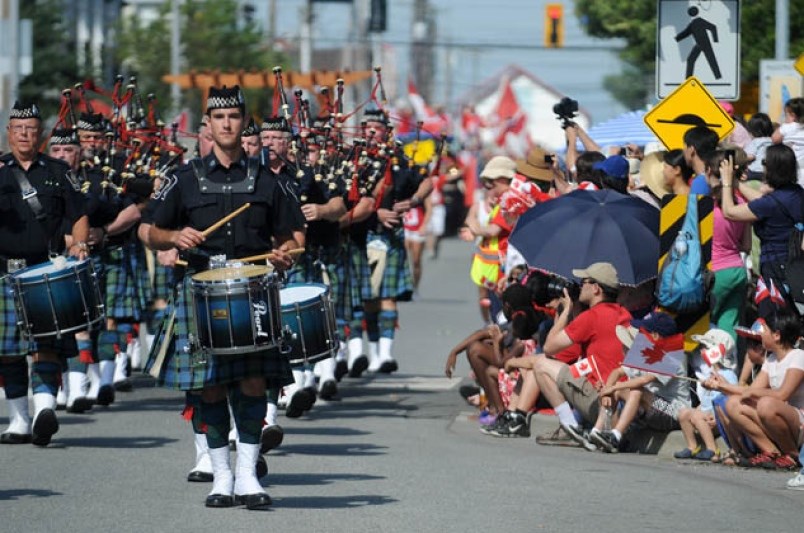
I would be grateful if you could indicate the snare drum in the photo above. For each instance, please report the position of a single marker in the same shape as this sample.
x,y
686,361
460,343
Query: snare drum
x,y
56,298
309,314
237,309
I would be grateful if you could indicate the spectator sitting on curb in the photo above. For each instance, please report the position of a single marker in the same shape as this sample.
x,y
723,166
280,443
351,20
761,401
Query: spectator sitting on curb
x,y
576,386
652,399
740,447
770,411
717,354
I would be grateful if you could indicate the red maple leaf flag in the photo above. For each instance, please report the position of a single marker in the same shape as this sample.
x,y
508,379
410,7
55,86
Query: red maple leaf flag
x,y
762,291
660,355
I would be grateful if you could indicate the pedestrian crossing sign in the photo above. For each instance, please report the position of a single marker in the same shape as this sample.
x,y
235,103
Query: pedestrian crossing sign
x,y
700,39
799,65
690,105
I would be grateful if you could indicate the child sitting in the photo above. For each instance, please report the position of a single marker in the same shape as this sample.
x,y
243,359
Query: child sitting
x,y
717,356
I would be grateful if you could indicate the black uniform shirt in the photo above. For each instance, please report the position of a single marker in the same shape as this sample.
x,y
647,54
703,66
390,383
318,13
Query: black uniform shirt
x,y
309,191
21,234
180,202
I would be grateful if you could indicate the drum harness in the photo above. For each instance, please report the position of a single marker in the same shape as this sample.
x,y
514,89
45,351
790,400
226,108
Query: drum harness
x,y
30,196
206,186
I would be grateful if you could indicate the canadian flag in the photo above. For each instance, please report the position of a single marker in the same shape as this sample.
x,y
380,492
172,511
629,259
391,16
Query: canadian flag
x,y
659,355
762,291
775,295
433,123
512,133
581,368
714,354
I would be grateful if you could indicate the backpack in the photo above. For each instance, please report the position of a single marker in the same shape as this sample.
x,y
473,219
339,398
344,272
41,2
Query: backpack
x,y
794,267
681,284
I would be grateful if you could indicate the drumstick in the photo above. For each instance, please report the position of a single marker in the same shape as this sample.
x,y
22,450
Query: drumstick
x,y
225,219
293,252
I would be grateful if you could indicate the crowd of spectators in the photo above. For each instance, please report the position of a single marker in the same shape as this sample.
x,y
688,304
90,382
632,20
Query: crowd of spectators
x,y
567,352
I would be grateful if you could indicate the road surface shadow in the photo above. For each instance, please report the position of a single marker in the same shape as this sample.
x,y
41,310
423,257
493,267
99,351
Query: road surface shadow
x,y
139,442
316,479
324,430
332,502
350,449
16,494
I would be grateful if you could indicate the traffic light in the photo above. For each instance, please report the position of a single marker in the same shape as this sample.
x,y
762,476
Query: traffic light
x,y
377,16
554,25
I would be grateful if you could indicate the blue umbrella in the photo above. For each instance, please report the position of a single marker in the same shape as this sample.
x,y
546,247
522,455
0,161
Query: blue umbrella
x,y
585,227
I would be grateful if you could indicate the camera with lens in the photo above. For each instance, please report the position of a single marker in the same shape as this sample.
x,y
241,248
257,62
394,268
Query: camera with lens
x,y
565,110
556,286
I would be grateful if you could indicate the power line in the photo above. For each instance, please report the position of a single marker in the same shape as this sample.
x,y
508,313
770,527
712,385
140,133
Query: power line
x,y
479,46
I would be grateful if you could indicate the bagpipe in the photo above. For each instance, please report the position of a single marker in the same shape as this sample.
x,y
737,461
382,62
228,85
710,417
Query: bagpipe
x,y
137,148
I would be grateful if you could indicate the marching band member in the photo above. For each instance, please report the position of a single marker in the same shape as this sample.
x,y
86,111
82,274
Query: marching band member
x,y
183,211
36,198
406,188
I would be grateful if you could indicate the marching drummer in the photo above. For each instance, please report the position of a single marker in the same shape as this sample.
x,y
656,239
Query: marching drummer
x,y
189,201
36,200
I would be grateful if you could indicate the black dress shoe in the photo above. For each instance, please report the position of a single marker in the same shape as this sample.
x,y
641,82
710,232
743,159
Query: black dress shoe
x,y
261,470
45,425
196,476
341,369
329,389
388,366
358,367
219,500
14,438
271,438
105,395
301,401
80,405
254,502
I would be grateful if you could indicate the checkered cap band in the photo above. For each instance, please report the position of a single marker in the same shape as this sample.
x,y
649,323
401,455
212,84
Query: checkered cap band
x,y
225,98
251,129
24,111
62,137
275,124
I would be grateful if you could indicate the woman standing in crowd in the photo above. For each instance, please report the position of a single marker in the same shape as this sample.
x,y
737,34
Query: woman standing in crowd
x,y
773,210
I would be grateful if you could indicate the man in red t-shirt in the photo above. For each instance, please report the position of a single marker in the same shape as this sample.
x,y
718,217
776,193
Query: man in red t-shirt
x,y
594,330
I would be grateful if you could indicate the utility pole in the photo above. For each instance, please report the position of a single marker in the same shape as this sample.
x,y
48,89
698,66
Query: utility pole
x,y
14,51
175,54
421,51
271,21
306,34
782,29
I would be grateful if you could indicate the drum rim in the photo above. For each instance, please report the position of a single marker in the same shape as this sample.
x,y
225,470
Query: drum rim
x,y
267,272
72,265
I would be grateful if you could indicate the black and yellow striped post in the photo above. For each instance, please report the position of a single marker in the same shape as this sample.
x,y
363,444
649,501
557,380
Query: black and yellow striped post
x,y
671,220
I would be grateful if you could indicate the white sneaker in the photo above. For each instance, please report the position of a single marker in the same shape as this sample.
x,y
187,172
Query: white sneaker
x,y
797,483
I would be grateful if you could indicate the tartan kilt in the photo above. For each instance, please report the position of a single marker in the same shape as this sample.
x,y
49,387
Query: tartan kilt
x,y
306,271
128,286
163,282
13,343
397,282
355,275
187,367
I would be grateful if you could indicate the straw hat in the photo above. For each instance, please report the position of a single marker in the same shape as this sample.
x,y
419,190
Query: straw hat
x,y
650,174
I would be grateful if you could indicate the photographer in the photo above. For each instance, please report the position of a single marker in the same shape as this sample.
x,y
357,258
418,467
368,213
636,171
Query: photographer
x,y
577,386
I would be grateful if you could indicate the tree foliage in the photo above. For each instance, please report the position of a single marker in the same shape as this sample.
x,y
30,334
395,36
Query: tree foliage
x,y
54,59
213,37
635,22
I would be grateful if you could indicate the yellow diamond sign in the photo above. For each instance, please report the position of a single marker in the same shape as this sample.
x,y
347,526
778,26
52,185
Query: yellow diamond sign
x,y
688,106
799,64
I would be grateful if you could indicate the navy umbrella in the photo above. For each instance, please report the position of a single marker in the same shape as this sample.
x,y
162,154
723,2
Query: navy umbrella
x,y
585,227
